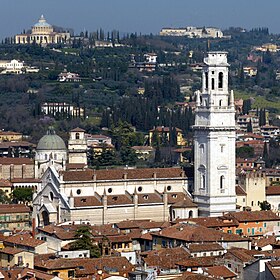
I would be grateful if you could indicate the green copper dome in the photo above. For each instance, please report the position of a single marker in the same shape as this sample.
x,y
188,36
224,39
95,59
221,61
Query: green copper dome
x,y
51,141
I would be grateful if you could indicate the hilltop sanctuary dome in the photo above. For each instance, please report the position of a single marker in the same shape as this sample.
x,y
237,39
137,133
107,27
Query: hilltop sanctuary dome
x,y
50,151
42,33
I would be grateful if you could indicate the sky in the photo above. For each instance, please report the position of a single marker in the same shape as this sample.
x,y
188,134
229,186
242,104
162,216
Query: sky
x,y
145,16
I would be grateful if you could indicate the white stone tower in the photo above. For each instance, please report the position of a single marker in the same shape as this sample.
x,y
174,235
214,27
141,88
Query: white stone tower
x,y
77,147
214,140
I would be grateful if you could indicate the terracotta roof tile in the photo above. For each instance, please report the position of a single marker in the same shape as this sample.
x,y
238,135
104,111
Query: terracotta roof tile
x,y
239,190
214,222
220,271
196,233
14,208
16,161
272,190
86,266
11,251
192,276
205,247
119,174
165,258
252,216
24,239
200,262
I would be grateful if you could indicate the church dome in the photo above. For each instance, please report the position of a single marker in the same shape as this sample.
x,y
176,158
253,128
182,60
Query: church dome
x,y
42,22
51,141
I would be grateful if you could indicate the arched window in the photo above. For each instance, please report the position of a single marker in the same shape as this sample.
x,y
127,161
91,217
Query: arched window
x,y
206,80
201,148
77,135
220,103
191,214
221,78
213,83
278,206
55,156
222,182
203,181
46,156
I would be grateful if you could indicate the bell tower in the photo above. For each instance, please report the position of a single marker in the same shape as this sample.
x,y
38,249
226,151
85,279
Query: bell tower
x,y
214,139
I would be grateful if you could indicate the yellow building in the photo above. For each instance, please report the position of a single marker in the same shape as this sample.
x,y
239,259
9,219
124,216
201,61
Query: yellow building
x,y
163,134
16,257
15,216
10,136
42,33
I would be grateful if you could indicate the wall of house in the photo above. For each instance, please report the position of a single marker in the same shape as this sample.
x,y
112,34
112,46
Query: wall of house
x,y
16,171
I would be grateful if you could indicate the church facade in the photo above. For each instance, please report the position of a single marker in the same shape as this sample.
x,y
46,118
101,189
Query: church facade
x,y
214,140
42,33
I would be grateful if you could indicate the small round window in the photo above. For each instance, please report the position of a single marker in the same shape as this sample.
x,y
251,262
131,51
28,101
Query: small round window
x,y
169,188
78,191
140,189
110,190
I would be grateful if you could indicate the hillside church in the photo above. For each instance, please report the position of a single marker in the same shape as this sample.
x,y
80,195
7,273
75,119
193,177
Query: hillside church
x,y
160,194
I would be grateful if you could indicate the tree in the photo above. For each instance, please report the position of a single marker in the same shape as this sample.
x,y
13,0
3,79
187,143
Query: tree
x,y
84,242
245,152
265,206
4,199
22,194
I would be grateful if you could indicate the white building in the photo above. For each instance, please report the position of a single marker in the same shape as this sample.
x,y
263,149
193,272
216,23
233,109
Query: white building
x,y
16,67
214,140
193,32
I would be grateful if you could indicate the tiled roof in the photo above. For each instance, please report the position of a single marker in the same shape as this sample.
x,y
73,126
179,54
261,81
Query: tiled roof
x,y
24,239
165,258
264,241
239,190
77,129
87,266
243,255
83,201
272,190
14,208
5,183
215,222
220,272
25,180
11,251
191,276
6,145
274,268
200,262
252,216
118,174
26,273
142,224
16,161
196,233
205,247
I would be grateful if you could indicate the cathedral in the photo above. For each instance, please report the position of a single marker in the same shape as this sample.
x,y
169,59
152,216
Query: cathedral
x,y
70,193
42,33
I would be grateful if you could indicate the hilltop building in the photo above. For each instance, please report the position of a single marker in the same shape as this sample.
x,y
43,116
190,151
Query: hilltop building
x,y
42,33
193,32
214,140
